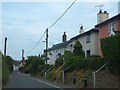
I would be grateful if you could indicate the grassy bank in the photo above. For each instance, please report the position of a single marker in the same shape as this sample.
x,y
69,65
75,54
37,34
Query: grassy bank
x,y
104,79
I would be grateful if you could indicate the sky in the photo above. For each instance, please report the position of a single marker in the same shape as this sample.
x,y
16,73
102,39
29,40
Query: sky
x,y
23,22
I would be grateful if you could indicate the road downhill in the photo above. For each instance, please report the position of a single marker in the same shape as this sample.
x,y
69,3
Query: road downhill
x,y
21,80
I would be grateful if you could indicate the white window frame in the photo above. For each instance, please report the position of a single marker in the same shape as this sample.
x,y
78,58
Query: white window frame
x,y
111,28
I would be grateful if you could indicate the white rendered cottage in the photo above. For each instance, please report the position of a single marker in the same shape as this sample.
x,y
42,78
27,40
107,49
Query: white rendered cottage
x,y
89,41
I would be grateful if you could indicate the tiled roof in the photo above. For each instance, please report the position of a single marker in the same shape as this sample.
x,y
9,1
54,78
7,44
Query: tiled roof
x,y
87,32
60,45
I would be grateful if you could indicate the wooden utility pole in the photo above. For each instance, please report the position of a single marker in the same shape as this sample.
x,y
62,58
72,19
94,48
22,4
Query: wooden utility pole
x,y
46,45
23,59
5,46
22,54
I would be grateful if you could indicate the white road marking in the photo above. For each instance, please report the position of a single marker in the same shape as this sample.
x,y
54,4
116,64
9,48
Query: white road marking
x,y
43,82
48,84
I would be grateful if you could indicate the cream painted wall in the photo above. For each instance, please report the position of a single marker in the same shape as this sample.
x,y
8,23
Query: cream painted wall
x,y
92,46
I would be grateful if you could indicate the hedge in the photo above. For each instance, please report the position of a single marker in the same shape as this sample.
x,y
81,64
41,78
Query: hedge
x,y
111,52
5,73
85,63
7,68
89,63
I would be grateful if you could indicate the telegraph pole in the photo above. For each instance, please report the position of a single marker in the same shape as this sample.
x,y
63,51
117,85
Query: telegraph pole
x,y
22,54
46,44
23,62
5,46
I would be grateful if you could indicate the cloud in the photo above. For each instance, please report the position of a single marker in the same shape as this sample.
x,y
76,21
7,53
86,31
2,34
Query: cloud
x,y
59,0
24,23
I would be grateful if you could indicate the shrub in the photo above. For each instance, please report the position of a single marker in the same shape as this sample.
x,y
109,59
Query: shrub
x,y
35,64
78,49
93,56
84,63
9,62
5,73
7,67
59,61
111,52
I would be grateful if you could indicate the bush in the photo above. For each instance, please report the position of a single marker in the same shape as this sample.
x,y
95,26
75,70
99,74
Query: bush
x,y
84,63
78,50
9,62
7,67
94,56
27,70
5,72
59,61
89,63
34,64
111,52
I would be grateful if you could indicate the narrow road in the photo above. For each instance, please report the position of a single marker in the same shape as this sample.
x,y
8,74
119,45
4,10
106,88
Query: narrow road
x,y
20,80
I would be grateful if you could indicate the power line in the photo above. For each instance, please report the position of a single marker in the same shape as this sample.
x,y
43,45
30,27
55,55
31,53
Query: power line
x,y
52,26
37,43
62,15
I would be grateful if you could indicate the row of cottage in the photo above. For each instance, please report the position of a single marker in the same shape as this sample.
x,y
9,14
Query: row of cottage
x,y
90,40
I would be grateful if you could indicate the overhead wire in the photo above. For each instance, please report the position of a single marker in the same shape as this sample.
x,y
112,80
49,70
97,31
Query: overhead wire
x,y
37,43
52,26
62,15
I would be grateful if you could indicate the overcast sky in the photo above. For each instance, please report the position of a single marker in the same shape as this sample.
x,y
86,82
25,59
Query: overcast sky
x,y
23,23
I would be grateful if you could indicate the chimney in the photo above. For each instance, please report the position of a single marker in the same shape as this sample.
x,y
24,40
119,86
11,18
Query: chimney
x,y
81,29
102,16
64,37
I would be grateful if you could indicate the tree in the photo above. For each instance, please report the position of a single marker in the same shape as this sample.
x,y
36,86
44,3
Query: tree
x,y
78,51
34,63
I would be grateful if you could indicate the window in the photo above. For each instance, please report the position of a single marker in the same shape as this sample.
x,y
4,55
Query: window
x,y
59,54
50,53
88,38
88,53
71,45
111,28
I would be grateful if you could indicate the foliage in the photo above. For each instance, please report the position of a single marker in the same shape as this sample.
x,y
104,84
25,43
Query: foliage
x,y
7,67
78,63
111,52
34,64
52,75
81,74
78,49
59,61
67,56
9,62
5,72
89,63
94,56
